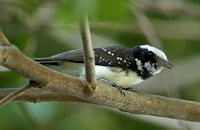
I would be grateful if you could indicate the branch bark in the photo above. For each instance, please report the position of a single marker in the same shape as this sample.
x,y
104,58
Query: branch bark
x,y
88,53
9,97
56,86
38,95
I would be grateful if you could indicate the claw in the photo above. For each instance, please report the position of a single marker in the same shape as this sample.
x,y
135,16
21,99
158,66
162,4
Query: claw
x,y
120,88
129,89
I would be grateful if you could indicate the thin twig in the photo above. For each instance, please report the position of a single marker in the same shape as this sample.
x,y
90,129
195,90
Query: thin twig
x,y
14,94
88,53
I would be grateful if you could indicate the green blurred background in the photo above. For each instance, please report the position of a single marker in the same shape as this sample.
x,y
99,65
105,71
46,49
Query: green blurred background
x,y
45,27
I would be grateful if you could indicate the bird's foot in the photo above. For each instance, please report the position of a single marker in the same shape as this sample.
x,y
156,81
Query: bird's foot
x,y
128,89
120,88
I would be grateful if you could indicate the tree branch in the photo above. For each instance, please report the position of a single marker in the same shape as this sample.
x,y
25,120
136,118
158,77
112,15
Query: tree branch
x,y
9,97
60,85
88,53
38,95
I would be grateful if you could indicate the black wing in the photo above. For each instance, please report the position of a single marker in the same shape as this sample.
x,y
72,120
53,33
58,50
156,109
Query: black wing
x,y
105,56
112,56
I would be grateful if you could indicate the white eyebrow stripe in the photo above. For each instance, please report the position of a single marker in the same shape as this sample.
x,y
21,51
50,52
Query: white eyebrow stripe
x,y
158,52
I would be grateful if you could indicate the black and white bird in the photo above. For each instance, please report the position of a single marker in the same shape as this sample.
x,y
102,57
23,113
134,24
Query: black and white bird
x,y
119,66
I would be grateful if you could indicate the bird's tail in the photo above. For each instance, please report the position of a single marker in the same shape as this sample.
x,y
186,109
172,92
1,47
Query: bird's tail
x,y
2,68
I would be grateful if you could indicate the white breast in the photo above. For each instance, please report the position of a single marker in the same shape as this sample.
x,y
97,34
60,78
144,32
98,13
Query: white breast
x,y
117,75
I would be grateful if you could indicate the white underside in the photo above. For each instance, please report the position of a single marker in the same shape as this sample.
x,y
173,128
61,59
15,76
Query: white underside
x,y
116,75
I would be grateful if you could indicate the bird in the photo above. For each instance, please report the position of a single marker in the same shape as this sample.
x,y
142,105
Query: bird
x,y
118,66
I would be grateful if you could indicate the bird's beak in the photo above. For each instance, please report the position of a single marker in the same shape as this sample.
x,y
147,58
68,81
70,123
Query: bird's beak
x,y
165,63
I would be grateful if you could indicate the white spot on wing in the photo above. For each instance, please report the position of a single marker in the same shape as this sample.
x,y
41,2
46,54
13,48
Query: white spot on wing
x,y
104,49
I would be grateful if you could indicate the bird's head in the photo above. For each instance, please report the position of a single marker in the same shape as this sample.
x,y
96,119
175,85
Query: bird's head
x,y
150,60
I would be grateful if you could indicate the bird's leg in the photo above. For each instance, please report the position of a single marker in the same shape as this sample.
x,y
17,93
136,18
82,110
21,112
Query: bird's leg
x,y
120,88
